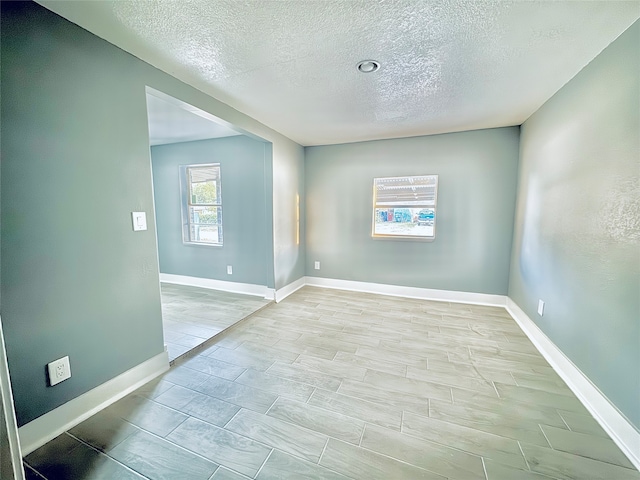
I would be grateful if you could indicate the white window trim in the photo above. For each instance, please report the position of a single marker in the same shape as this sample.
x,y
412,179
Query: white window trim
x,y
185,194
404,204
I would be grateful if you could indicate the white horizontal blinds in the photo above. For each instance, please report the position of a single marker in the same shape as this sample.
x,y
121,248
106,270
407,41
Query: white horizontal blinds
x,y
415,191
204,185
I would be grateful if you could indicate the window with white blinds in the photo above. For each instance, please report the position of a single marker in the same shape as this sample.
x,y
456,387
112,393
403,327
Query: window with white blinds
x,y
202,204
405,207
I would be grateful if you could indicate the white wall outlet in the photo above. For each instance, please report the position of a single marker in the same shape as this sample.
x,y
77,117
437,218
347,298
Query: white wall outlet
x,y
540,307
316,265
59,370
139,221
229,270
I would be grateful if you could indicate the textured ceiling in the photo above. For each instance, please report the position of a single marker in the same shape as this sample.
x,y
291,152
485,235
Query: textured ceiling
x,y
447,65
169,123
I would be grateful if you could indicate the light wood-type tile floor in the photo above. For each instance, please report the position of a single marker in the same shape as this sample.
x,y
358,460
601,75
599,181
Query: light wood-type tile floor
x,y
334,385
191,316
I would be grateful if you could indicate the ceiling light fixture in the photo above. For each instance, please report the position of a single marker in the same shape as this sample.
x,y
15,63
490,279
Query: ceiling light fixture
x,y
368,66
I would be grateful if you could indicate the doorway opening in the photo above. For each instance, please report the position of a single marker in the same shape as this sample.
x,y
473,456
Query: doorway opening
x,y
213,218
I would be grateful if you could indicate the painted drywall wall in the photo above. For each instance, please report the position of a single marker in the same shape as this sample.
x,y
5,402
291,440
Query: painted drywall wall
x,y
289,213
577,235
75,162
242,166
474,220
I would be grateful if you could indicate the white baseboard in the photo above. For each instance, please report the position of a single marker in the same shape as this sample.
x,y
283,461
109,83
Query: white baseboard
x,y
409,292
233,287
623,433
39,431
287,290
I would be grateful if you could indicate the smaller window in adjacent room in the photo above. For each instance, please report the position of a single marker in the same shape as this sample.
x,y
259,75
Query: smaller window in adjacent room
x,y
202,204
405,207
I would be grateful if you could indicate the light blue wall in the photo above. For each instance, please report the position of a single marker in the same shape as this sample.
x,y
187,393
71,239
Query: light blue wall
x,y
76,279
476,195
243,166
577,236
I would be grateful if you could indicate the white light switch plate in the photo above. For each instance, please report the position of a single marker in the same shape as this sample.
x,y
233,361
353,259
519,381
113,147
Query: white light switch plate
x,y
59,370
139,221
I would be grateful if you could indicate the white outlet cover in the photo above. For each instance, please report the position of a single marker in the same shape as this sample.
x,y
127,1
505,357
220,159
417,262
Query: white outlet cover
x,y
540,307
139,221
229,270
59,370
317,265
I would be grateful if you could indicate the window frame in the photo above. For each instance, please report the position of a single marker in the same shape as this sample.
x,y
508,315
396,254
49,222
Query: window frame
x,y
426,204
186,186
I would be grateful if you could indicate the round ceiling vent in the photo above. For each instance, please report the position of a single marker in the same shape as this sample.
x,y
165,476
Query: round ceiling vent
x,y
368,66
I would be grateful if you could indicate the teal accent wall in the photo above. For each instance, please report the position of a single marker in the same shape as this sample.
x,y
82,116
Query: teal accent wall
x,y
243,167
577,237
474,221
76,279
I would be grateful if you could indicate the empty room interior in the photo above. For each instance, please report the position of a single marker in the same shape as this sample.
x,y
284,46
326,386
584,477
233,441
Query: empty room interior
x,y
330,239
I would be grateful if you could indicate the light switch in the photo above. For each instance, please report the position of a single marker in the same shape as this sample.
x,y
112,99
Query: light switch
x,y
139,221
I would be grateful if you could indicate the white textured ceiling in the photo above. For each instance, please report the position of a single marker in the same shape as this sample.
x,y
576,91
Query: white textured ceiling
x,y
447,65
169,123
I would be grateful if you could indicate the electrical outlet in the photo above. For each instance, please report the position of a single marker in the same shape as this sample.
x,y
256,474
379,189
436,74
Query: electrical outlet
x,y
59,370
316,265
229,270
540,307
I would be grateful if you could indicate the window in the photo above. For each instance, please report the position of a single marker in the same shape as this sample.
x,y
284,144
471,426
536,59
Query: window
x,y
405,207
202,204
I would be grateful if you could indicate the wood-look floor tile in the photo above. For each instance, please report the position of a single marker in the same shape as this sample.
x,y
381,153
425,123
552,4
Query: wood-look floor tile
x,y
213,366
539,414
368,392
334,368
279,434
238,394
199,405
380,364
276,385
160,459
319,352
185,377
317,419
501,449
498,471
103,430
394,357
582,423
416,388
566,466
241,358
271,352
323,342
423,352
540,397
356,462
476,384
147,414
299,373
226,448
375,413
590,446
437,458
226,474
490,421
471,371
65,457
281,466
548,383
